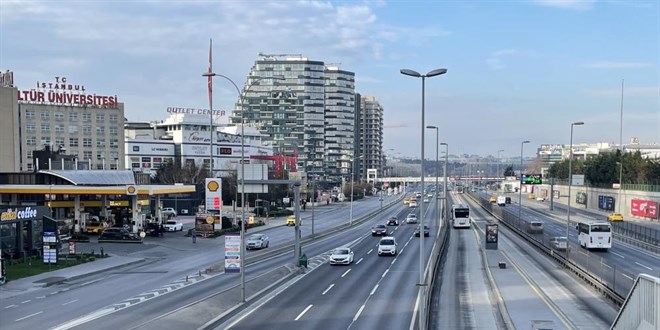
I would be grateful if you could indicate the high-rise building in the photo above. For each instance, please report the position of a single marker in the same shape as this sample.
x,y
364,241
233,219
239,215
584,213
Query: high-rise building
x,y
369,127
339,122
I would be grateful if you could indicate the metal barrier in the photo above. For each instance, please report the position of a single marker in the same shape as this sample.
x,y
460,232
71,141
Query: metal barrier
x,y
641,310
637,232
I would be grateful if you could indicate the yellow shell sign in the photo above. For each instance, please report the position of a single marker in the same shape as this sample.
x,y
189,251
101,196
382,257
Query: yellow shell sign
x,y
131,190
212,185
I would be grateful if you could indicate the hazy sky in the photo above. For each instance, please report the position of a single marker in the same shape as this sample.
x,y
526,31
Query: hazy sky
x,y
517,70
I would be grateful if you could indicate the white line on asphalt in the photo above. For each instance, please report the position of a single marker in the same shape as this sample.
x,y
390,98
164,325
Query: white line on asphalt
x,y
303,312
606,265
328,289
393,260
385,273
358,313
628,277
647,267
373,290
70,302
28,316
23,302
346,272
616,254
370,251
359,261
10,306
41,297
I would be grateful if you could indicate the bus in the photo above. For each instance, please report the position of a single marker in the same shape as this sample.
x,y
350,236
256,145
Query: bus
x,y
594,235
460,216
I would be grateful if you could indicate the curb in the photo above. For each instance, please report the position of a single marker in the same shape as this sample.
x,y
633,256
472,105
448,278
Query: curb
x,y
94,272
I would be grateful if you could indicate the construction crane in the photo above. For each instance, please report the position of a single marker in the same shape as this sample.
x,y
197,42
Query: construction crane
x,y
275,56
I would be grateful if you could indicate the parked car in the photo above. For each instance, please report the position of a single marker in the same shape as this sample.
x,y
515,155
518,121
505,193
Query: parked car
x,y
615,217
559,243
411,218
95,227
341,256
418,231
535,227
393,221
118,234
257,241
152,229
168,212
387,245
172,225
379,230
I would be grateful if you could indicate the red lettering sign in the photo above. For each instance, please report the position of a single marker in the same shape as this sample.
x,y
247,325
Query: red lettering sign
x,y
644,208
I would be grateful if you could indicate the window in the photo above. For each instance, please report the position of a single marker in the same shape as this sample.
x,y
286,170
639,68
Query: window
x,y
59,141
100,130
73,129
29,167
45,128
100,117
100,156
114,155
87,142
87,155
29,114
45,140
87,129
73,142
114,130
100,143
113,166
31,141
29,153
59,116
59,128
45,115
114,143
29,127
86,116
73,116
112,118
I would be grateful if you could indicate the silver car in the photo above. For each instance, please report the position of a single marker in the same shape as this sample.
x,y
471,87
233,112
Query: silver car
x,y
257,241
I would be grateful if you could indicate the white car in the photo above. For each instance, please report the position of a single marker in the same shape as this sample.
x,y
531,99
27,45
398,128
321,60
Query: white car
x,y
257,241
387,245
168,212
411,218
559,243
426,200
341,256
412,204
173,226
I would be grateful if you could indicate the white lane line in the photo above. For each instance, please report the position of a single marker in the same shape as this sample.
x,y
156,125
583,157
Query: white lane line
x,y
606,265
328,289
28,316
70,302
23,302
303,313
628,277
616,254
370,251
393,260
358,313
373,290
647,267
346,272
10,306
385,273
359,261
41,297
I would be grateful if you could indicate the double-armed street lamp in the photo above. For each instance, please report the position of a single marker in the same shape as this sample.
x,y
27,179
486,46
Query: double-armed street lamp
x,y
437,166
497,174
412,73
570,182
242,179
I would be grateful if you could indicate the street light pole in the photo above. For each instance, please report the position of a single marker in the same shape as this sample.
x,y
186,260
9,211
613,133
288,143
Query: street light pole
x,y
497,174
242,185
444,186
519,189
422,284
621,153
437,166
570,182
350,219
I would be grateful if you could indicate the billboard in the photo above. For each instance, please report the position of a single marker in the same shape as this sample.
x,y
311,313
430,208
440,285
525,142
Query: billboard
x,y
213,190
644,208
531,179
606,202
581,198
232,253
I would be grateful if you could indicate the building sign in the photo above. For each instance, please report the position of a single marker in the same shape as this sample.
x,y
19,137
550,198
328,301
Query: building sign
x,y
62,92
197,137
19,213
7,79
193,111
232,253
578,179
644,208
225,151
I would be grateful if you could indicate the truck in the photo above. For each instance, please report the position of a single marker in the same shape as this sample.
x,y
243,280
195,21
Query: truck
x,y
501,201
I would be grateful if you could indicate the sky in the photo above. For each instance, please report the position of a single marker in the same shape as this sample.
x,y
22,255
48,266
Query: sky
x,y
516,70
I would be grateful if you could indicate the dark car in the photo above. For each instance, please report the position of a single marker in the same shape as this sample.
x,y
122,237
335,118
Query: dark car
x,y
426,231
379,230
393,221
118,234
152,229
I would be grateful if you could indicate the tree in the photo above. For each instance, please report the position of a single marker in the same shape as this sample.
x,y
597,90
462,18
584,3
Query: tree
x,y
509,171
173,172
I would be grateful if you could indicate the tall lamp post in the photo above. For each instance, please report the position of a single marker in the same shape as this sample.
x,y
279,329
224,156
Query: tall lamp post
x,y
444,186
621,153
242,185
408,72
497,174
350,221
570,182
437,165
520,189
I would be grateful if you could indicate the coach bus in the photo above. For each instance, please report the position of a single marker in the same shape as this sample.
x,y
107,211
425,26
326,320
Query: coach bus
x,y
594,235
460,216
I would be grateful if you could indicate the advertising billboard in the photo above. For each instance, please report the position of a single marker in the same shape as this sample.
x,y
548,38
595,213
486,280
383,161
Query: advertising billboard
x,y
644,208
531,179
232,253
581,198
606,202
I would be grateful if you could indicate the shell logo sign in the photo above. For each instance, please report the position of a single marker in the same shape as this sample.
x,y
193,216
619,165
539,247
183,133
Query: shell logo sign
x,y
131,190
213,196
212,185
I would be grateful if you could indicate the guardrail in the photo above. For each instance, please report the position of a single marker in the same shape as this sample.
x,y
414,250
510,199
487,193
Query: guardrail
x,y
438,254
602,282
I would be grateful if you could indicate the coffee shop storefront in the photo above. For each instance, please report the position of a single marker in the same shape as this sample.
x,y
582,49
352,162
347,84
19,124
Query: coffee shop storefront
x,y
21,230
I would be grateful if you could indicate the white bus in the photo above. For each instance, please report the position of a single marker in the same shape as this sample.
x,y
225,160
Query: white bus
x,y
594,235
460,216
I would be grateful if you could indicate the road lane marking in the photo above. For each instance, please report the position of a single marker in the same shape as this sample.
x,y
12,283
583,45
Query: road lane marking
x,y
346,272
627,276
647,267
370,251
385,273
358,313
303,313
606,265
10,306
41,297
393,260
328,289
28,316
70,302
622,257
359,261
373,290
23,302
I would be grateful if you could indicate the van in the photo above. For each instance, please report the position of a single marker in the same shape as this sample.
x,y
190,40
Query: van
x,y
387,245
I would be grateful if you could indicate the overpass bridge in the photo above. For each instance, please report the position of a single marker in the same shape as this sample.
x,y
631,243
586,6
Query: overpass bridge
x,y
440,179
